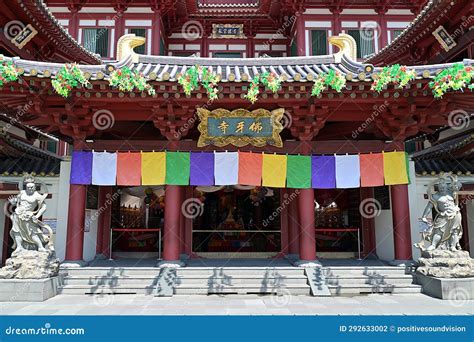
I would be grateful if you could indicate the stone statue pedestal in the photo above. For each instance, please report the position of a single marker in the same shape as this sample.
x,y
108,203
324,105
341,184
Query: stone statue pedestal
x,y
30,265
446,274
446,264
31,276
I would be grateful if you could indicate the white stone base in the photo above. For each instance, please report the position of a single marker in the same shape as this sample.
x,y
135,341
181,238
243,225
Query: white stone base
x,y
171,264
74,264
28,290
402,263
308,263
459,289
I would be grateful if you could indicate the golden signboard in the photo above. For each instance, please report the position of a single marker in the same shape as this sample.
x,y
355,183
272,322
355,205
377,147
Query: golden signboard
x,y
240,127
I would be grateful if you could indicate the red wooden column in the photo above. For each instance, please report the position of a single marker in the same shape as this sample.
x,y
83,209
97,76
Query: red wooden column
x,y
182,220
337,21
188,234
401,222
383,39
171,233
293,225
156,32
300,36
171,240
368,226
284,204
306,217
75,223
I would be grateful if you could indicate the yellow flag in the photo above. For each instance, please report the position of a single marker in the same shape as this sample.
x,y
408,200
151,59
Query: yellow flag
x,y
153,168
395,168
274,170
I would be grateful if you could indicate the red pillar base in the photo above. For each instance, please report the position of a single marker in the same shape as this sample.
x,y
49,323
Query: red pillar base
x,y
401,222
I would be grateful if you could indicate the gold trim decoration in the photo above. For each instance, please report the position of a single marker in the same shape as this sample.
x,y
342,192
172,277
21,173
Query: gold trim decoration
x,y
239,140
232,31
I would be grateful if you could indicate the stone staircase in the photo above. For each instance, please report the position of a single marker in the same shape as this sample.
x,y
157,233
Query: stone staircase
x,y
238,280
109,280
356,280
340,280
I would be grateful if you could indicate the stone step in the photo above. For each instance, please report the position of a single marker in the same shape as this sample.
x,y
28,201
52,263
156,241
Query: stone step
x,y
237,273
355,289
104,289
247,289
395,280
108,271
143,280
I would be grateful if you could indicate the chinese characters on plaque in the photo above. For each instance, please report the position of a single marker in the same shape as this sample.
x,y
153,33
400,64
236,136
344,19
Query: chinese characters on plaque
x,y
240,127
228,31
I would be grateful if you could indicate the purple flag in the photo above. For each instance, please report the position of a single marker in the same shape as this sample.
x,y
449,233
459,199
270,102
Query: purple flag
x,y
202,168
323,172
81,168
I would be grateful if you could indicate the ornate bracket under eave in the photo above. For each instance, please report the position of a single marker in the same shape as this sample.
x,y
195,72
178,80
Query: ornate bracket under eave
x,y
125,46
347,46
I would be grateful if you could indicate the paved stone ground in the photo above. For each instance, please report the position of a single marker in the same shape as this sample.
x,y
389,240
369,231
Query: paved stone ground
x,y
410,304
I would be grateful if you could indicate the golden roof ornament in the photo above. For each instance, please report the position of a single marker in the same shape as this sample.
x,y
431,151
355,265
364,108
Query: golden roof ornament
x,y
347,46
126,44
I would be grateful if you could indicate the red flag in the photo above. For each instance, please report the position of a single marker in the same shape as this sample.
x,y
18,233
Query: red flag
x,y
371,170
129,168
250,168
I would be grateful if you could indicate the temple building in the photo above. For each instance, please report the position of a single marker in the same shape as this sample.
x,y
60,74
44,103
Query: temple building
x,y
299,130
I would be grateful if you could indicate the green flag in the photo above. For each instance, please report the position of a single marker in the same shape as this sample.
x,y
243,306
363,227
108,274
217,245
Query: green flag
x,y
298,172
177,168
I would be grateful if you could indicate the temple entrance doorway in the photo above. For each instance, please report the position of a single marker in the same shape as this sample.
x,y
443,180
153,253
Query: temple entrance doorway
x,y
237,222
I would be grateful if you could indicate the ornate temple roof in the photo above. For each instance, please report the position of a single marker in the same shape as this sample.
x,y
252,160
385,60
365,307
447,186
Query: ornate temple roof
x,y
412,42
291,69
36,13
455,154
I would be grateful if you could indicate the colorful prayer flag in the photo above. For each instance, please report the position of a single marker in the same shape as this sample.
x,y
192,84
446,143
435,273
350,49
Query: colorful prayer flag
x,y
371,170
274,170
153,168
347,171
129,168
226,168
250,168
323,171
298,172
202,169
104,168
395,168
81,168
177,168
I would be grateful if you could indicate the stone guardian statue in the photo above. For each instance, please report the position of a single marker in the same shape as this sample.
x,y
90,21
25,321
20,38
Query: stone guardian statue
x,y
33,254
441,253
